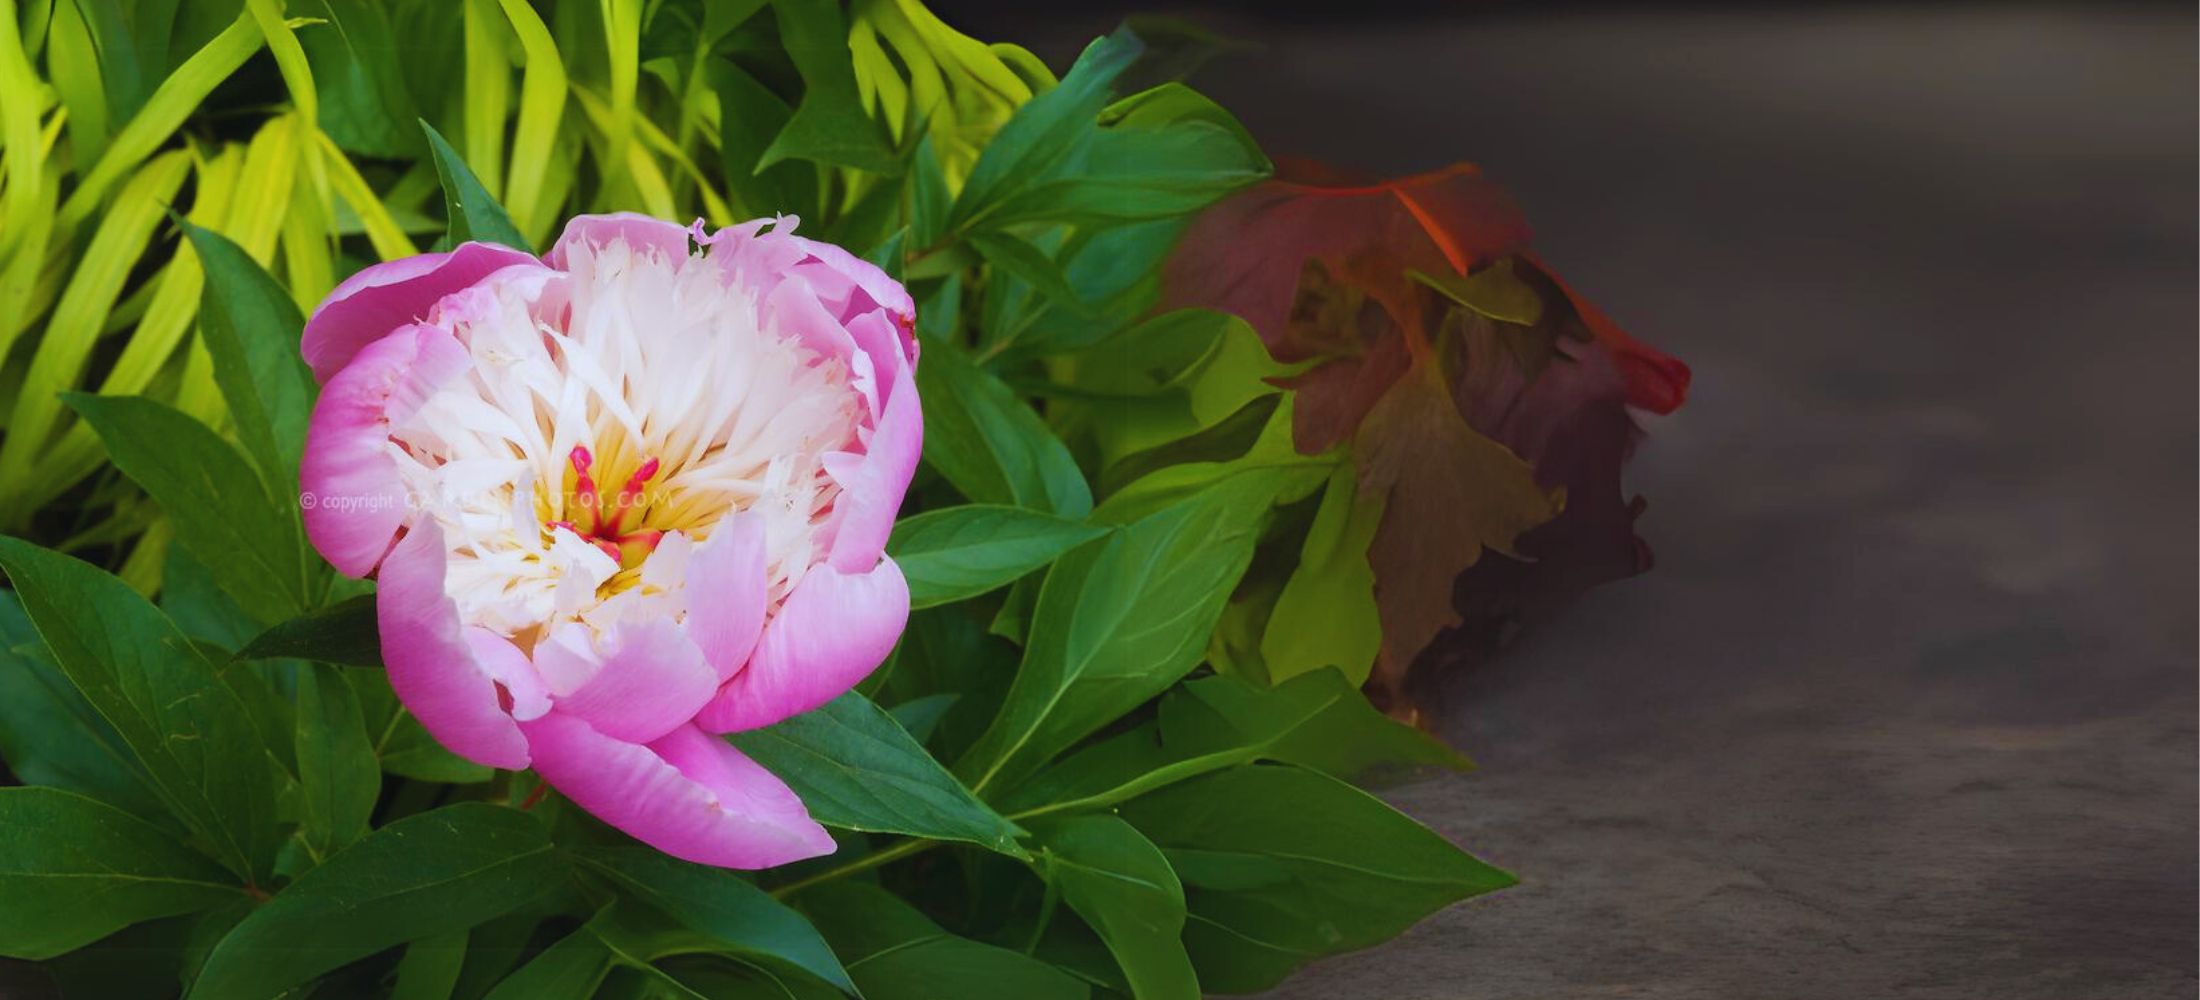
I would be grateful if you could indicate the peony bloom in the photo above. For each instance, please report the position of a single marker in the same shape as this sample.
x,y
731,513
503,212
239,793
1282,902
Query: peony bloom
x,y
620,500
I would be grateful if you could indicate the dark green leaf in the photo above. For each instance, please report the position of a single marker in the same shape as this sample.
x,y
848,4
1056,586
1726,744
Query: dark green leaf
x,y
957,552
74,870
857,769
430,968
571,969
251,328
361,87
425,875
1013,255
1045,129
750,115
344,632
830,125
469,211
191,598
251,542
894,952
720,905
929,198
1119,882
1119,619
185,728
1317,719
49,735
338,775
989,444
1282,865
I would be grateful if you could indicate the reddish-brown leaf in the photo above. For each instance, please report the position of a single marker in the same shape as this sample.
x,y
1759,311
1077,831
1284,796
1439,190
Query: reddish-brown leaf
x,y
1473,417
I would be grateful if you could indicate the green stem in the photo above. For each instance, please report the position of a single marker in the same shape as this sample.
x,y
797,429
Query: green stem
x,y
864,863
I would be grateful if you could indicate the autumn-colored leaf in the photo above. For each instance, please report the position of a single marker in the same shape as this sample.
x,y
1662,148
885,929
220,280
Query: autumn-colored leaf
x,y
1474,385
1450,493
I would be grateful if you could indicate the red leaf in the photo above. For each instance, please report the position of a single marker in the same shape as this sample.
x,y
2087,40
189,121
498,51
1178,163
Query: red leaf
x,y
1448,409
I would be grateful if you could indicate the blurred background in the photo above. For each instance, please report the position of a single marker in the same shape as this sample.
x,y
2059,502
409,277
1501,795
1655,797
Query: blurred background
x,y
1907,707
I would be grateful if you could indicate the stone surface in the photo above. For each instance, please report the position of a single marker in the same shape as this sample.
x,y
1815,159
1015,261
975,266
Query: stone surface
x,y
1907,707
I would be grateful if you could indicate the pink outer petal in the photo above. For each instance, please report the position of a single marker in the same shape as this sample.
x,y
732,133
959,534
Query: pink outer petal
x,y
385,296
637,229
872,484
855,274
432,667
831,632
690,795
727,593
354,501
652,681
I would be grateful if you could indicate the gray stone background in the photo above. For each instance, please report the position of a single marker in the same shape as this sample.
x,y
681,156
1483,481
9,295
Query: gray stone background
x,y
1907,707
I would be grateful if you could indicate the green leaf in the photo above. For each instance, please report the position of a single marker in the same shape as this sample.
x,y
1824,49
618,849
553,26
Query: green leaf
x,y
345,632
991,446
1119,619
191,598
364,103
1494,291
1282,865
186,729
894,952
1016,256
251,328
1317,720
1164,153
571,969
49,735
1326,614
1046,128
929,198
1120,883
430,968
405,748
958,552
425,875
338,775
750,116
252,543
857,769
74,870
720,905
469,211
829,126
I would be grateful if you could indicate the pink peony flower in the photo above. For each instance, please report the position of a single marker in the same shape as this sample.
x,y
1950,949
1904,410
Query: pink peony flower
x,y
621,500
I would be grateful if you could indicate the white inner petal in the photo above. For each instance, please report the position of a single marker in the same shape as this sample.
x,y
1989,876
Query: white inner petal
x,y
631,356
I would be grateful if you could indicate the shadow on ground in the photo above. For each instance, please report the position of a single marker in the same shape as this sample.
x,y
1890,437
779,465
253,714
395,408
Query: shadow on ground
x,y
1907,708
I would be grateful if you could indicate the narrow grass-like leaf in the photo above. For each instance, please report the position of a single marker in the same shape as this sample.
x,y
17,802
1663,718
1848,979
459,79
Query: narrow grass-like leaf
x,y
174,100
541,104
74,326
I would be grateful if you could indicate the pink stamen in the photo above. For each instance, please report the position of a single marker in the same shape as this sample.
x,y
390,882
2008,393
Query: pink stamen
x,y
628,493
584,486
